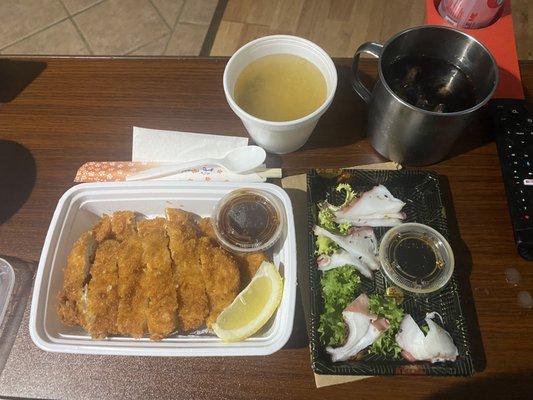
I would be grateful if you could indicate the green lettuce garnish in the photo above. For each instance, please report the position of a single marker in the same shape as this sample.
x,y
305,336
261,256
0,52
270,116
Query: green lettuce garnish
x,y
326,218
325,245
386,307
344,228
339,286
349,193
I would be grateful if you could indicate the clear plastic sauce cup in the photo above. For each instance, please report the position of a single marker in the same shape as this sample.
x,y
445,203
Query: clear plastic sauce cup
x,y
416,258
248,220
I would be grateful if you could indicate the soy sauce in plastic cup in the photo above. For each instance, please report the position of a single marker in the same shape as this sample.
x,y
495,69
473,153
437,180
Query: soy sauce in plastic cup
x,y
416,258
248,220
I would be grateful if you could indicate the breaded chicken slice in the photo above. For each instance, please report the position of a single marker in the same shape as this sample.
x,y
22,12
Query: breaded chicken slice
x,y
158,282
102,292
123,224
181,216
193,307
71,299
133,302
131,317
206,228
248,264
102,229
221,277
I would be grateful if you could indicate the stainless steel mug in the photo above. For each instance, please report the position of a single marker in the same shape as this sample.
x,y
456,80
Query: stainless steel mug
x,y
405,133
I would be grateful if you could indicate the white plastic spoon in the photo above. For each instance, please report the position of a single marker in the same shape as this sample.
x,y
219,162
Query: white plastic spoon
x,y
238,160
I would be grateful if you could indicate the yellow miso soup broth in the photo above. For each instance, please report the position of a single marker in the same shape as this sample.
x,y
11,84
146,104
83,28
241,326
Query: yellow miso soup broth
x,y
280,87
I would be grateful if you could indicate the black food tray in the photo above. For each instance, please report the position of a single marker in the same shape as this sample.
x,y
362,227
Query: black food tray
x,y
420,190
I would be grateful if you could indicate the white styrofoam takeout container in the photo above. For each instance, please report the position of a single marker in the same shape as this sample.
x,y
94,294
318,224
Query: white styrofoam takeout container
x,y
81,206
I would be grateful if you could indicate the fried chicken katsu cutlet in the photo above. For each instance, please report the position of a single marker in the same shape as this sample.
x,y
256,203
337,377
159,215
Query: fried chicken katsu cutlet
x,y
206,228
71,298
123,225
159,282
102,229
102,293
248,263
221,276
131,317
133,301
193,306
157,276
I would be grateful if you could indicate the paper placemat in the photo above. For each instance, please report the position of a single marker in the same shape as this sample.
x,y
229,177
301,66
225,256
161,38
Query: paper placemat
x,y
296,188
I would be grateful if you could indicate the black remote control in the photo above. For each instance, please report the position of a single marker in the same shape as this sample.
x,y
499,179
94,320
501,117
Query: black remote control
x,y
514,138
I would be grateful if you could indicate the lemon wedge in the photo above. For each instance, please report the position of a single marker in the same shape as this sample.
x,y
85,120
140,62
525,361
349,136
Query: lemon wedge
x,y
252,307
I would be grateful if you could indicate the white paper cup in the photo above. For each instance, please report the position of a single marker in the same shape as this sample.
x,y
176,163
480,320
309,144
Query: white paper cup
x,y
279,137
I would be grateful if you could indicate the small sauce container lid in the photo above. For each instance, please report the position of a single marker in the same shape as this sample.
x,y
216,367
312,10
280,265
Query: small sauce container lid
x,y
416,258
248,220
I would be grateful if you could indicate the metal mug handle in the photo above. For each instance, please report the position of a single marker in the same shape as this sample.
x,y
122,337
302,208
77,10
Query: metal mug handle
x,y
374,49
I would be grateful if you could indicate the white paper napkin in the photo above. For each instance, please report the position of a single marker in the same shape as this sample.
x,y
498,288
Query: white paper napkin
x,y
154,145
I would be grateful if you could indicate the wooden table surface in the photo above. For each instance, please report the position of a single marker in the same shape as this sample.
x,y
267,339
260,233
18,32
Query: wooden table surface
x,y
55,114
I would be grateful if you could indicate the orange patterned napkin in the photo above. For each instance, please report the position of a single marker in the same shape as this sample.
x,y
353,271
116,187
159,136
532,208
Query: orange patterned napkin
x,y
109,171
116,171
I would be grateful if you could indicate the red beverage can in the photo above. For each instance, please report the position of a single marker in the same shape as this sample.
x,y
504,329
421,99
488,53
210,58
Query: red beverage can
x,y
470,13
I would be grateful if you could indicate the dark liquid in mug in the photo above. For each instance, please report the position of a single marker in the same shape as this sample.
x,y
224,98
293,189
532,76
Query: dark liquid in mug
x,y
431,84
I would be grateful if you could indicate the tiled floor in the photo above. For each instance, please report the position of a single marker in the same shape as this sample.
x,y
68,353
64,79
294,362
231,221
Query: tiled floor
x,y
210,27
104,27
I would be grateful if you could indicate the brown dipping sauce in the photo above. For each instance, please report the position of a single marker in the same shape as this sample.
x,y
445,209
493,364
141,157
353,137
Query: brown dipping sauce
x,y
247,221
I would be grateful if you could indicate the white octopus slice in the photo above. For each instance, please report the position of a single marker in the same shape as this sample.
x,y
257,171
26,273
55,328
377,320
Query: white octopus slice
x,y
363,327
377,204
388,221
436,346
341,258
438,342
360,243
411,339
